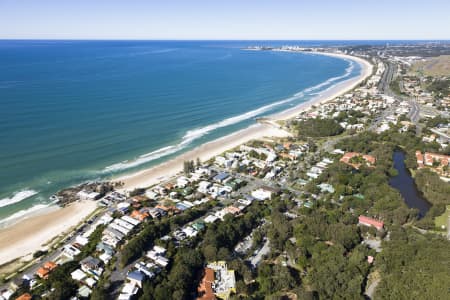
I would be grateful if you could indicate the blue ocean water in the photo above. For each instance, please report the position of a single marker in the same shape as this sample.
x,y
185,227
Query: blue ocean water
x,y
72,111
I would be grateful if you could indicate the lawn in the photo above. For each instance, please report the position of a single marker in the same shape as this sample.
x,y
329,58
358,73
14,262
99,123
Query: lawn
x,y
442,220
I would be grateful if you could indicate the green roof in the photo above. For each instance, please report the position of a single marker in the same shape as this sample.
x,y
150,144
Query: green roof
x,y
198,225
308,204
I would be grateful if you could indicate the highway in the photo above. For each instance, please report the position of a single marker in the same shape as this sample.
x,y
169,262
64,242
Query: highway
x,y
414,113
386,79
384,88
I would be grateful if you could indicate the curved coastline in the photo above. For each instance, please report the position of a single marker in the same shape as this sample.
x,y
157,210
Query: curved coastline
x,y
164,171
62,219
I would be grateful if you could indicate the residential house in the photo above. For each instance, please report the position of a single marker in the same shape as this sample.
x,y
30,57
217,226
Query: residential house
x,y
205,289
44,271
350,157
90,264
366,221
136,277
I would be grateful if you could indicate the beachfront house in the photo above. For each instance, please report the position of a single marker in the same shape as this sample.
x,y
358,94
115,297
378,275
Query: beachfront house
x,y
46,269
71,251
86,195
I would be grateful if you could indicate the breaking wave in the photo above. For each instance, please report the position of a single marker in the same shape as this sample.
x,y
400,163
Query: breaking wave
x,y
195,134
23,214
17,197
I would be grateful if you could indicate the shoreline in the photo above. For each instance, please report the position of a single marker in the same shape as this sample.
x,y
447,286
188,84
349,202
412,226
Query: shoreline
x,y
21,240
332,92
170,168
60,220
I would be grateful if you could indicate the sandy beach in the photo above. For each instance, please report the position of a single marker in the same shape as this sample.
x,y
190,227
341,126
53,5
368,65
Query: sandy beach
x,y
206,151
334,91
31,234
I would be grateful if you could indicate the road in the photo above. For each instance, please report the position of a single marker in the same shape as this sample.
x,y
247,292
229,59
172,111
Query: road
x,y
53,255
414,113
384,88
386,79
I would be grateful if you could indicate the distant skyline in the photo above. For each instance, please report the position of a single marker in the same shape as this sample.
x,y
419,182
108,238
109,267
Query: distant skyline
x,y
222,20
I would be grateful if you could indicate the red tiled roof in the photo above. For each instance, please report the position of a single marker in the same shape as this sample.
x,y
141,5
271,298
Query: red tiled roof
x,y
205,288
233,210
431,157
25,296
371,222
139,216
42,272
50,265
369,158
419,158
349,155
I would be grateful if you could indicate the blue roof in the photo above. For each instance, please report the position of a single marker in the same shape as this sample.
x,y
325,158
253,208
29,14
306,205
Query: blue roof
x,y
136,275
181,206
221,176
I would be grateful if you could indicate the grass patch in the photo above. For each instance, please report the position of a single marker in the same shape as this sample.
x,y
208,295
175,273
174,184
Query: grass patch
x,y
435,66
442,220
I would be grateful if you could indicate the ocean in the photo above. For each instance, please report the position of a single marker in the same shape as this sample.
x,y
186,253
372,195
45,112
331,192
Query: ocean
x,y
73,111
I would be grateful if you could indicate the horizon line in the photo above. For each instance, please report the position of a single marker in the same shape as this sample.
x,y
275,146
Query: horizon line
x,y
250,40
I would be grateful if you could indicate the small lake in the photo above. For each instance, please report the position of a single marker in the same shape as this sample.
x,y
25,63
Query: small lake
x,y
404,183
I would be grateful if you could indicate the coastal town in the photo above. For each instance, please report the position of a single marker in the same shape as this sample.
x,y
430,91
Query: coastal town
x,y
312,214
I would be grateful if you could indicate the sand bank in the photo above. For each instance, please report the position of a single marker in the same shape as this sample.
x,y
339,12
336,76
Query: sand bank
x,y
204,152
31,234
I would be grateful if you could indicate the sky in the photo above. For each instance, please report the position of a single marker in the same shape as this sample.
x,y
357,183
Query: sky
x,y
226,19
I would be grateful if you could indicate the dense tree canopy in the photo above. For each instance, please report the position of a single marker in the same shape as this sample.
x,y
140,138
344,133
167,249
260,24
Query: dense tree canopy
x,y
414,266
436,191
317,127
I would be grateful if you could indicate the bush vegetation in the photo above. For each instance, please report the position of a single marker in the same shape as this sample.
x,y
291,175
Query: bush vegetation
x,y
317,128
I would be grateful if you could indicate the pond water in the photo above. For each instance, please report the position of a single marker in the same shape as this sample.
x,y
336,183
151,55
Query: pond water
x,y
404,183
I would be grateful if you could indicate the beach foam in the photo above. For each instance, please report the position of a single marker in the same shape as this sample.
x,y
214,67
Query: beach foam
x,y
193,135
23,214
348,72
17,197
142,159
